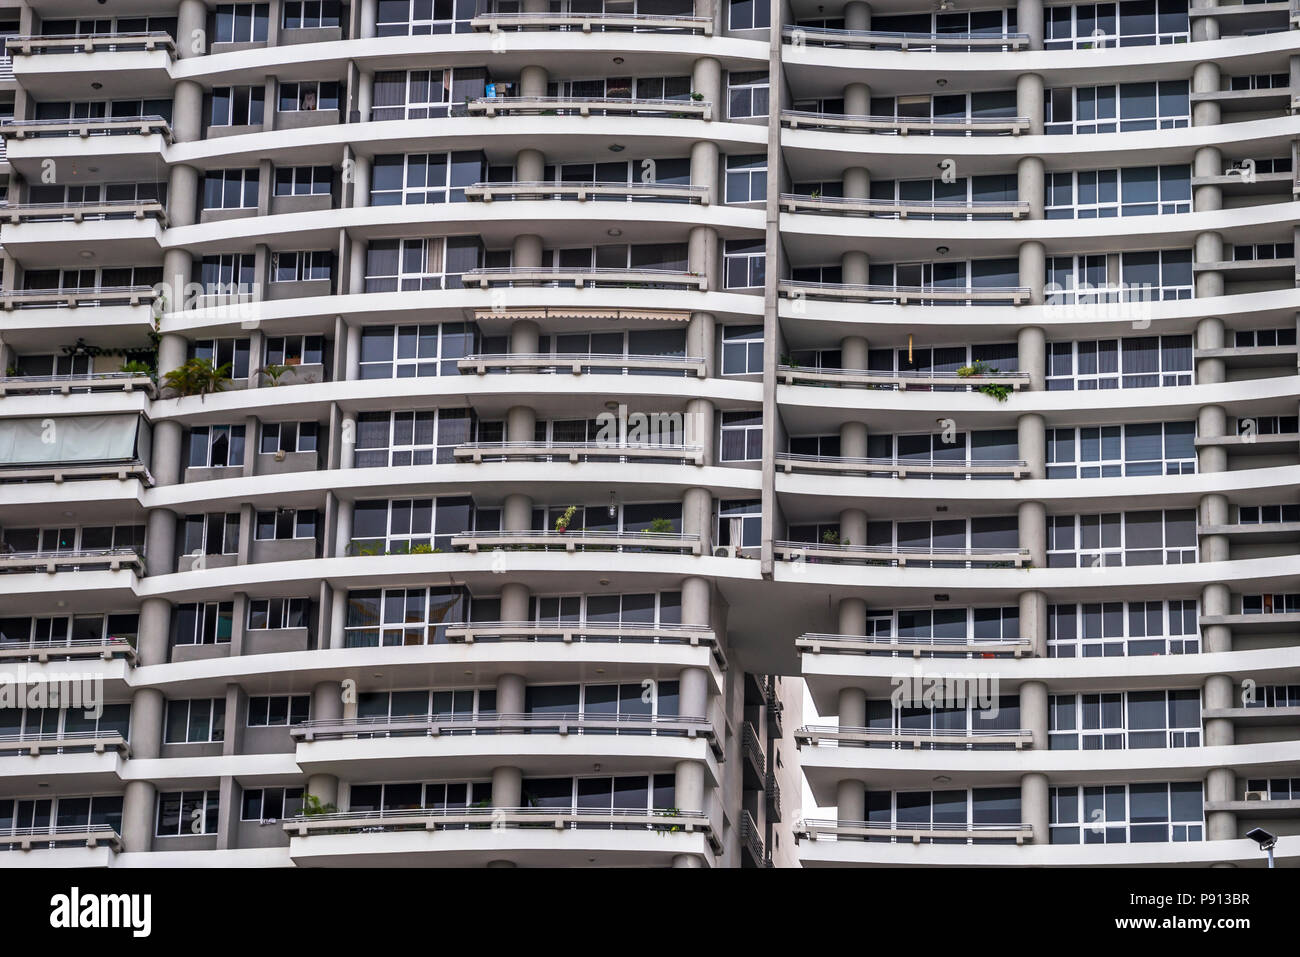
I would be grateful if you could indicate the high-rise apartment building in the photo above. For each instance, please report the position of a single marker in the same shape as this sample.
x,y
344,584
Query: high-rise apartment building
x,y
348,514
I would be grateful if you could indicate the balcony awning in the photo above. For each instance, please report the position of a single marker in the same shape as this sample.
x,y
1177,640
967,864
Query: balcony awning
x,y
659,315
71,439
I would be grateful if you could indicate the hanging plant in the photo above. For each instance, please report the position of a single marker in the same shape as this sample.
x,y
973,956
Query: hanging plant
x,y
981,368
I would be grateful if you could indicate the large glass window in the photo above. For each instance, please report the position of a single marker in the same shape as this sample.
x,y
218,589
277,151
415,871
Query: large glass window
x,y
241,22
411,438
1127,813
403,616
1130,719
1115,629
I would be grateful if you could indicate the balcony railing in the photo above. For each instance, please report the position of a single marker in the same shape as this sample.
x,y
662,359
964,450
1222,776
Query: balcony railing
x,y
663,820
58,472
15,213
70,741
901,556
6,71
932,739
578,541
817,643
886,40
905,125
580,363
89,126
490,192
868,292
927,381
561,723
488,277
62,835
588,106
586,632
81,559
72,298
92,43
903,208
751,838
753,747
916,833
586,22
68,384
43,651
901,468
575,452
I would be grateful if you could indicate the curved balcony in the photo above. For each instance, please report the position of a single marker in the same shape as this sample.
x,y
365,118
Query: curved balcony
x,y
889,555
59,474
903,295
900,381
887,40
490,277
575,364
90,836
816,643
588,106
936,739
68,384
587,22
80,559
578,540
900,468
46,651
902,208
582,192
815,828
575,452
905,125
91,43
36,745
570,633
16,213
100,296
84,128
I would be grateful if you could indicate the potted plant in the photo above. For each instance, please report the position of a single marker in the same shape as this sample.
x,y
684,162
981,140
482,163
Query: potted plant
x,y
562,523
197,377
136,367
311,806
831,537
273,372
660,526
981,368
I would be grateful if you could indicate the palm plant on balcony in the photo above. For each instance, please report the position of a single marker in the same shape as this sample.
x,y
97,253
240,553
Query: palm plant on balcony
x,y
197,377
660,526
136,367
273,372
981,368
312,806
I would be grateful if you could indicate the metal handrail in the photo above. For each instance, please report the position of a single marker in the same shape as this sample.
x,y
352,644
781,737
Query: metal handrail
x,y
24,45
973,205
107,377
16,212
917,464
539,186
796,118
601,101
432,818
484,275
830,825
60,647
956,377
586,534
17,297
575,360
593,446
56,736
886,641
830,730
559,720
59,831
507,271
869,38
919,292
492,20
72,553
923,552
704,632
142,124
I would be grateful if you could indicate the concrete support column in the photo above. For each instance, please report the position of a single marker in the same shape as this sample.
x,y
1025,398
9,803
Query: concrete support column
x,y
525,337
1030,185
324,787
187,112
507,787
369,18
357,267
352,353
147,709
530,166
696,602
1031,439
856,182
182,196
533,81
706,79
704,169
701,341
852,617
702,254
1205,79
1033,711
1034,806
526,251
1033,531
348,440
339,618
1210,334
688,786
1213,510
1220,783
854,267
1031,356
857,99
697,517
1218,693
1033,270
853,352
326,705
850,802
1207,162
517,513
857,15
511,696
853,708
1211,423
699,427
514,603
137,816
153,643
1029,101
365,94
1216,600
191,29
853,527
1029,20
1204,28
853,440
1208,248
521,423
693,693
1033,621
160,542
178,268
361,171
343,527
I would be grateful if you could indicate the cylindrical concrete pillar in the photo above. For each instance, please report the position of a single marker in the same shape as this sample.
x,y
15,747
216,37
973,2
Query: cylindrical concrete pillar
x,y
1206,79
850,802
704,168
853,440
693,693
697,517
153,643
515,602
1033,531
525,337
1031,356
1029,101
1031,439
1029,20
856,183
1033,712
1033,621
857,99
517,513
1211,423
706,79
187,112
1216,602
852,708
530,166
521,423
701,342
1033,270
857,15
853,527
1207,162
1031,185
1034,807
507,787
191,29
533,81
688,780
854,268
695,602
1210,334
853,352
526,251
699,427
852,617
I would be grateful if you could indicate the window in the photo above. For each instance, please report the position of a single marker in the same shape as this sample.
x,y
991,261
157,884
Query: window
x,y
1118,720
288,437
1264,338
401,526
1136,191
1122,538
1095,25
229,274
1157,273
400,18
422,178
196,721
302,267
216,534
270,804
953,809
742,350
277,613
295,350
749,14
1136,363
241,22
1269,425
742,436
426,94
278,710
747,94
411,438
203,623
216,446
309,96
1270,604
230,189
64,628
286,524
1267,514
1110,451
1277,789
740,524
410,265
222,351
310,14
183,813
403,352
1127,813
747,178
1141,106
1117,629
304,180
403,616
744,261
237,106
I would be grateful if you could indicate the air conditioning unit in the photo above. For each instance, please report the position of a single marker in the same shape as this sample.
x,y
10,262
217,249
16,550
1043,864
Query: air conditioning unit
x,y
1256,795
724,551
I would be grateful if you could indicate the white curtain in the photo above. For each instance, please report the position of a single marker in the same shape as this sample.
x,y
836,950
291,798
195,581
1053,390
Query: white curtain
x,y
68,439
